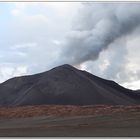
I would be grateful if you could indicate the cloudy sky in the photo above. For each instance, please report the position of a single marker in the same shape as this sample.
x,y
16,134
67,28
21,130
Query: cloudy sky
x,y
102,38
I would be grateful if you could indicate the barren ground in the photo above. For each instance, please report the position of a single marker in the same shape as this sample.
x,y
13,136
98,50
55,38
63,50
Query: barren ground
x,y
66,120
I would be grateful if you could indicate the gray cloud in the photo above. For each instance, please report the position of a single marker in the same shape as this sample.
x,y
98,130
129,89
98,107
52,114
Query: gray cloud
x,y
97,27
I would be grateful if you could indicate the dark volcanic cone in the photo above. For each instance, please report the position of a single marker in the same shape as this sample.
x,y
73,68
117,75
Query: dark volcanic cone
x,y
63,85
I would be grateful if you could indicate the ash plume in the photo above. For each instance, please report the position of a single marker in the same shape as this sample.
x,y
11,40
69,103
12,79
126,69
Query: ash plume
x,y
97,27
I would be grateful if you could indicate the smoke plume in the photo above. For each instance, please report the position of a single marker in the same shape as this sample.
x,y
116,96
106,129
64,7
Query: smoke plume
x,y
97,27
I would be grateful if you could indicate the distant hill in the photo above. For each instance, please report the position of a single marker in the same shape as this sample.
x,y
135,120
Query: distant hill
x,y
65,85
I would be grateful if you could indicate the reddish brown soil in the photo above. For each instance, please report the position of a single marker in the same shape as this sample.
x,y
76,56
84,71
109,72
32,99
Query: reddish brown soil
x,y
64,110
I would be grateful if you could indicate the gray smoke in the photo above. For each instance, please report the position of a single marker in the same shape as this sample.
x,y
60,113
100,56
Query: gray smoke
x,y
97,26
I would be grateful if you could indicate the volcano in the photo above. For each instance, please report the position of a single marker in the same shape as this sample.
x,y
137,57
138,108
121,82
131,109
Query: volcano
x,y
64,85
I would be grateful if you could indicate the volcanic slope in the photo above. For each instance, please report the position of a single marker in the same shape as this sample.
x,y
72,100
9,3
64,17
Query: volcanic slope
x,y
64,85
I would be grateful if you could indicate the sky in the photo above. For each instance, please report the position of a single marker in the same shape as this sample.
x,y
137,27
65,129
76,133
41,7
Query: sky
x,y
101,38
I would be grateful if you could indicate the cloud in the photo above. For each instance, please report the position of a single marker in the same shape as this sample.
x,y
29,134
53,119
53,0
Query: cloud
x,y
18,9
134,85
56,42
107,23
63,9
34,38
8,70
23,46
15,12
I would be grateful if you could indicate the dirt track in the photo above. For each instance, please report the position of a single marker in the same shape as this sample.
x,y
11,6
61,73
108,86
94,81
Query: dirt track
x,y
80,121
